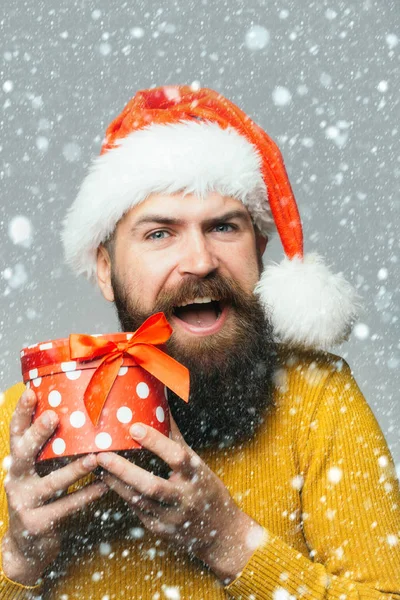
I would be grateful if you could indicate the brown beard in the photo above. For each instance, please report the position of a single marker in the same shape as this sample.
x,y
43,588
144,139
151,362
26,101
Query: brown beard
x,y
230,371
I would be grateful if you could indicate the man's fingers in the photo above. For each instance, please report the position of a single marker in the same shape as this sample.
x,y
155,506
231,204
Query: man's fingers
x,y
60,480
179,458
145,483
26,448
132,497
51,515
22,416
122,489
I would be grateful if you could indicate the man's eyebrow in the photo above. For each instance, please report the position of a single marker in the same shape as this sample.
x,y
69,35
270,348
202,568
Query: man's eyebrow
x,y
165,220
159,219
241,214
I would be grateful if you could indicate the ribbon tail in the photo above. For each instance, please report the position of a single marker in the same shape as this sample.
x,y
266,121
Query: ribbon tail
x,y
100,386
163,367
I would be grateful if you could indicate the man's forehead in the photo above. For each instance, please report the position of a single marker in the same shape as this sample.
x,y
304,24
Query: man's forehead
x,y
185,207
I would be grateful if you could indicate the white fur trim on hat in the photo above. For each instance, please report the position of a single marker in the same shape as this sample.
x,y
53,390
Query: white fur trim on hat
x,y
309,306
192,156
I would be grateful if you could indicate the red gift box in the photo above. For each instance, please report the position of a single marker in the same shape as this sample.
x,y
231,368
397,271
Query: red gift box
x,y
100,385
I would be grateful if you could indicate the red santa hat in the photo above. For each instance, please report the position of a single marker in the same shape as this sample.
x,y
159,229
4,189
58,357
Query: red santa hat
x,y
173,139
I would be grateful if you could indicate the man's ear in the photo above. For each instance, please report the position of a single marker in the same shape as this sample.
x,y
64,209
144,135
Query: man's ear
x,y
261,242
104,273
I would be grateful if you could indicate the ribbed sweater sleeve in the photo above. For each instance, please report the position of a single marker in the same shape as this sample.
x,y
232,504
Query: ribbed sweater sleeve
x,y
9,590
350,511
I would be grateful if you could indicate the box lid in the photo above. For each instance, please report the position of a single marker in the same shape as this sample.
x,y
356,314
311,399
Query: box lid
x,y
56,353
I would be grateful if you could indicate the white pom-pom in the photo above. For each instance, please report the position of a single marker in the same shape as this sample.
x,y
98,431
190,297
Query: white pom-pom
x,y
308,305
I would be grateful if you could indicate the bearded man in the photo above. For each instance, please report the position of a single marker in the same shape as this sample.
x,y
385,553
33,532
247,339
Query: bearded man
x,y
277,469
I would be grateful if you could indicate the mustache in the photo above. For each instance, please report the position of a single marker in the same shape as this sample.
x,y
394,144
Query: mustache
x,y
227,291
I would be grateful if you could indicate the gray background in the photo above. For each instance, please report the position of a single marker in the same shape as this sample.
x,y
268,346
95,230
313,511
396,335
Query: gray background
x,y
321,77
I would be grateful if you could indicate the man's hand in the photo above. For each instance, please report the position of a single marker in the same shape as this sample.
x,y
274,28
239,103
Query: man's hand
x,y
192,509
35,504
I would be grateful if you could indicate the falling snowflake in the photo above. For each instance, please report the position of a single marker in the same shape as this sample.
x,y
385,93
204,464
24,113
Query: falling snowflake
x,y
16,277
42,143
8,86
257,37
105,48
297,482
361,331
281,96
281,594
392,539
335,474
392,40
137,32
72,152
171,592
20,231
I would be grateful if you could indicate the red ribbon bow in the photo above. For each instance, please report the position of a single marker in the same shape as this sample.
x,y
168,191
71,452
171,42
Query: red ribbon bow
x,y
141,346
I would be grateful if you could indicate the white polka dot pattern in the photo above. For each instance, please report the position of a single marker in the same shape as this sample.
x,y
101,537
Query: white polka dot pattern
x,y
160,414
103,440
36,382
77,419
33,373
142,390
124,414
72,375
46,346
58,446
68,366
54,398
123,371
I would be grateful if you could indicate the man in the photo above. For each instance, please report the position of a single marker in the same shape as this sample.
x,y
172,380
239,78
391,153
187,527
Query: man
x,y
280,482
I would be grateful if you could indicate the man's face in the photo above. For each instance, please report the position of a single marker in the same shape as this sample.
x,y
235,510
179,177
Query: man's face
x,y
198,262
175,250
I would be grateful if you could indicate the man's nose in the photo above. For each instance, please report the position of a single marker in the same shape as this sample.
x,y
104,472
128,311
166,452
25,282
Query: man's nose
x,y
198,258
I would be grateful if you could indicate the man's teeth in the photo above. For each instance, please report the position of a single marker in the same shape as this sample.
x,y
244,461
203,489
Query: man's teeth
x,y
204,300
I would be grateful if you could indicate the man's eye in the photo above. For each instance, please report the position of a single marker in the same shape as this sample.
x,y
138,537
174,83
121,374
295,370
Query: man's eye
x,y
225,227
158,235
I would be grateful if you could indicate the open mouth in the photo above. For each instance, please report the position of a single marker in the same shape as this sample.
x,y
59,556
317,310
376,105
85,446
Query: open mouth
x,y
201,315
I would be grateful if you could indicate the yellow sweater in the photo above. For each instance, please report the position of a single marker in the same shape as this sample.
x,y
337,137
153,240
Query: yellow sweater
x,y
317,476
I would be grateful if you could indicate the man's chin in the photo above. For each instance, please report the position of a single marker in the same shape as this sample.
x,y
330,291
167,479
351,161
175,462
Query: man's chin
x,y
199,351
204,351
